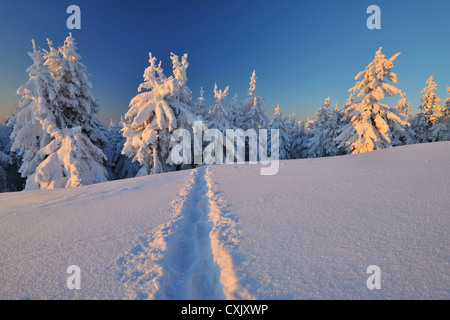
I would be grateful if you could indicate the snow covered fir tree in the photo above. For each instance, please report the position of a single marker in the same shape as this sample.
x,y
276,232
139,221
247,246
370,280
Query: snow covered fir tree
x,y
119,165
164,105
254,109
219,115
282,124
431,115
322,132
55,128
370,124
55,140
440,130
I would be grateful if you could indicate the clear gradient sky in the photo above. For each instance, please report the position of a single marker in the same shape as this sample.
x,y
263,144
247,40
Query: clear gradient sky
x,y
303,50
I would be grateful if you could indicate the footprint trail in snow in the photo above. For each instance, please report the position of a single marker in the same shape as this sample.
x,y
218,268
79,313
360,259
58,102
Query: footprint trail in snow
x,y
188,257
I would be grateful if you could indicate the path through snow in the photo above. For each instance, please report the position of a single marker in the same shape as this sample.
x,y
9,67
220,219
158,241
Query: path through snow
x,y
188,257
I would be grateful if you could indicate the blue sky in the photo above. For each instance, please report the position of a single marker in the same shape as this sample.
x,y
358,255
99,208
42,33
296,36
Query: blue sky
x,y
303,51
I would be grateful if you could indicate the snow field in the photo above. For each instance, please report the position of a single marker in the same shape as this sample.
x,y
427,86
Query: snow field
x,y
311,231
226,232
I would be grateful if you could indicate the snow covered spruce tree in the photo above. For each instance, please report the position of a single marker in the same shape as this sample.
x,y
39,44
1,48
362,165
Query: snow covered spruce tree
x,y
403,106
119,165
371,124
77,105
235,109
298,139
291,126
334,125
404,133
429,111
321,133
200,108
252,115
36,106
440,131
254,109
163,106
447,104
318,131
55,127
280,123
219,116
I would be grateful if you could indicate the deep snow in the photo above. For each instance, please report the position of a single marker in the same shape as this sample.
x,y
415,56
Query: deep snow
x,y
308,232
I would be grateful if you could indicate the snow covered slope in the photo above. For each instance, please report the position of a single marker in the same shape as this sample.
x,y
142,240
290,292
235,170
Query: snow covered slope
x,y
226,232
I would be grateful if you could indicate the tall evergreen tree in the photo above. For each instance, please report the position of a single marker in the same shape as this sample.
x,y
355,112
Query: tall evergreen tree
x,y
254,109
57,112
321,133
370,124
201,110
281,124
298,139
36,108
334,125
163,106
447,104
77,106
119,165
440,131
219,116
403,107
235,109
429,111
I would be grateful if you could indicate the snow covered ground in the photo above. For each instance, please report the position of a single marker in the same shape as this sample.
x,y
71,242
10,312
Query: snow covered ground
x,y
226,232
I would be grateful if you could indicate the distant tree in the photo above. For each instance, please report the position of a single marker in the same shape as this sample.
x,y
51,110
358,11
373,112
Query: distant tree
x,y
440,131
119,165
219,116
235,109
298,139
281,124
321,133
429,111
403,107
447,104
200,109
334,126
254,109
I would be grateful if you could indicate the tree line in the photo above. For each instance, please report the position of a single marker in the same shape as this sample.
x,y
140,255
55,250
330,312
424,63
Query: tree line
x,y
55,140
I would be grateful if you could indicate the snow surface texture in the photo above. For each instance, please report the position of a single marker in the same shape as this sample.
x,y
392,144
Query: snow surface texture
x,y
309,232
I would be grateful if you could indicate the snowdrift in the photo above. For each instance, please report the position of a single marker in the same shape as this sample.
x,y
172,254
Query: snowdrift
x,y
226,232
